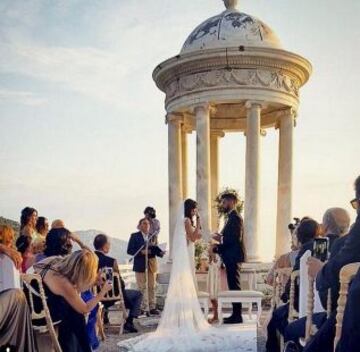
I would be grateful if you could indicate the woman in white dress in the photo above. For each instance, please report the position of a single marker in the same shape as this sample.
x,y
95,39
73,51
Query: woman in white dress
x,y
183,327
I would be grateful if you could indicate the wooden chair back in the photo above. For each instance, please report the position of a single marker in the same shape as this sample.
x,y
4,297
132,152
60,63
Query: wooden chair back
x,y
281,277
115,294
347,273
293,314
310,328
35,294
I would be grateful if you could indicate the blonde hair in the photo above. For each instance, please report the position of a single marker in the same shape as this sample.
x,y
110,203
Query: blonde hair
x,y
80,268
7,235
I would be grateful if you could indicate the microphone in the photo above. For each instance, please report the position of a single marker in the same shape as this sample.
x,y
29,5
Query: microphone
x,y
198,220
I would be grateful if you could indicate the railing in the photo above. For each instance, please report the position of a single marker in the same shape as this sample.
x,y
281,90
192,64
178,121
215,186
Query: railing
x,y
126,271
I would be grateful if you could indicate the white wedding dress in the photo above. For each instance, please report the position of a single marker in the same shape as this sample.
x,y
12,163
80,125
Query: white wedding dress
x,y
183,327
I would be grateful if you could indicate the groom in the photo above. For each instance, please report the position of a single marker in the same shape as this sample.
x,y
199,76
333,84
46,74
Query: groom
x,y
231,250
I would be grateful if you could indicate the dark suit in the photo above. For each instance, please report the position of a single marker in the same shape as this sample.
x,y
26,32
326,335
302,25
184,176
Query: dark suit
x,y
279,319
232,253
349,253
350,336
135,243
132,298
327,278
296,329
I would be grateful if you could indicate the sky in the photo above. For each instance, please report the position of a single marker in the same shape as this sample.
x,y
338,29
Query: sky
x,y
82,124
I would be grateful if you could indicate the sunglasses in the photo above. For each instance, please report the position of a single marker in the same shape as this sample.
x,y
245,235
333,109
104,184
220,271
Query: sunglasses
x,y
355,203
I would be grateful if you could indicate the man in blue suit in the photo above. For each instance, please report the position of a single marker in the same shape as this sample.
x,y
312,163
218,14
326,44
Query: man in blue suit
x,y
137,248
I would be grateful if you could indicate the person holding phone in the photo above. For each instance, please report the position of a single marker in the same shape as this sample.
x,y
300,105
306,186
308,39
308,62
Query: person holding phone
x,y
307,230
132,298
64,278
327,276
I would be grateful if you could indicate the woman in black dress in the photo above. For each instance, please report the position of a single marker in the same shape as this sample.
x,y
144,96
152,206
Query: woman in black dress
x,y
64,278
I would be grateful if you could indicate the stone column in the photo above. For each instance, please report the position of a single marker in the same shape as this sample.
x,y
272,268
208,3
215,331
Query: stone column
x,y
175,172
184,161
285,174
214,175
202,117
252,180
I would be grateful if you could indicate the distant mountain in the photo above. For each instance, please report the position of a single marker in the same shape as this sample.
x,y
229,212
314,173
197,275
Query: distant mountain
x,y
118,247
14,224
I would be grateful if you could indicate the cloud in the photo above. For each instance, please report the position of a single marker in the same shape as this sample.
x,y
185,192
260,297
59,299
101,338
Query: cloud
x,y
111,62
93,72
21,97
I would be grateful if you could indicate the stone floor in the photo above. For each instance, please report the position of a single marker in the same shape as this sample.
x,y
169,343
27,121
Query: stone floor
x,y
145,325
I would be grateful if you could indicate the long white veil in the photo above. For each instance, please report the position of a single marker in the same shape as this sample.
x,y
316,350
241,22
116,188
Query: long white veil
x,y
182,310
183,327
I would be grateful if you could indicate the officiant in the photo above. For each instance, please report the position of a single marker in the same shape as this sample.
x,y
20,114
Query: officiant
x,y
144,252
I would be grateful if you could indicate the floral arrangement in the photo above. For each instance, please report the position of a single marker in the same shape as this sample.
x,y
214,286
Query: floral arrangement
x,y
202,247
201,252
218,206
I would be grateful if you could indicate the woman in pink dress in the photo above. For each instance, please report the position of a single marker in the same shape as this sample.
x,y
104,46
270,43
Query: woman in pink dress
x,y
24,246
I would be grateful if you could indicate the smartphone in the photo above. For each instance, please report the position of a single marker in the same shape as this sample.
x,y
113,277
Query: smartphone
x,y
321,249
109,274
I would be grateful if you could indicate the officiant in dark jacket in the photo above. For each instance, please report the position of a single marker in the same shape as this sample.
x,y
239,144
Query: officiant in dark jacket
x,y
232,250
137,241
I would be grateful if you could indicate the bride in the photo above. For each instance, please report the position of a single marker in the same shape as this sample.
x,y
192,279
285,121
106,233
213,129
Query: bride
x,y
183,327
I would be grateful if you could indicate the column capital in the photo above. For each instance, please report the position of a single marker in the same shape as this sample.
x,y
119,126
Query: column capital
x,y
174,118
203,106
286,113
186,128
258,103
217,133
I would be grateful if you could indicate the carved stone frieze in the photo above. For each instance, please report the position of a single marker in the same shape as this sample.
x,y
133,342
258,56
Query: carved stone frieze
x,y
233,78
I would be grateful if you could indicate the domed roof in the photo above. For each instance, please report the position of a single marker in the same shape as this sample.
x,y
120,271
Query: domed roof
x,y
231,28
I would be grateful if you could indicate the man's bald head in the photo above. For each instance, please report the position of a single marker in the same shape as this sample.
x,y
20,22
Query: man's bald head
x,y
57,224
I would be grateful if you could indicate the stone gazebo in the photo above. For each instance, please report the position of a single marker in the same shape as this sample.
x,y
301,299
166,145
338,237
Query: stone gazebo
x,y
231,75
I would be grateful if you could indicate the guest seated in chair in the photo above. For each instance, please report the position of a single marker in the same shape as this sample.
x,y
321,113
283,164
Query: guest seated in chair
x,y
327,276
132,298
335,224
64,278
306,232
16,332
59,242
24,246
286,260
7,248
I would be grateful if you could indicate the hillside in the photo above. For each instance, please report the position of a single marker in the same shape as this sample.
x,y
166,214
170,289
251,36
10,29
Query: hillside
x,y
118,247
14,224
